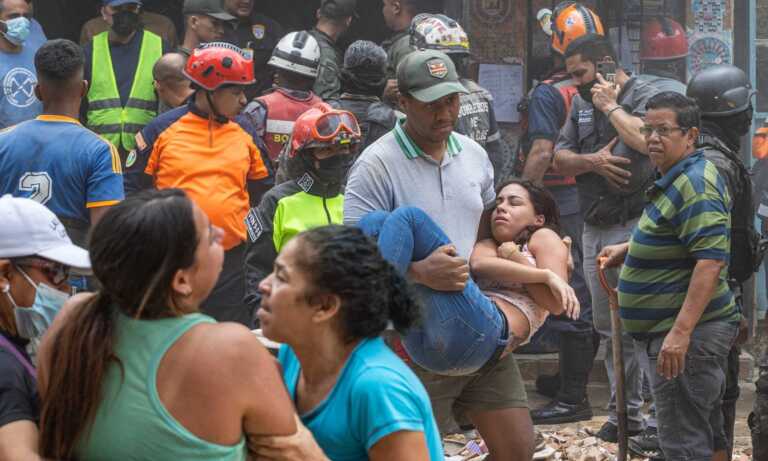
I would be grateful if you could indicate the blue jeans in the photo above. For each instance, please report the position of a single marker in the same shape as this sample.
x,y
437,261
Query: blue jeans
x,y
688,408
460,331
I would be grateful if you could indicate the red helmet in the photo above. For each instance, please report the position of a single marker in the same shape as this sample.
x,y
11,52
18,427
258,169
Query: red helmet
x,y
663,39
216,64
322,125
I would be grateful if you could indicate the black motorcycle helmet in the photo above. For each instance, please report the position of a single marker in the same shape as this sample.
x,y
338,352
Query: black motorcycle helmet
x,y
721,91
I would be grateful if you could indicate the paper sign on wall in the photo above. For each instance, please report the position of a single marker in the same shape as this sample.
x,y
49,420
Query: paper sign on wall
x,y
505,82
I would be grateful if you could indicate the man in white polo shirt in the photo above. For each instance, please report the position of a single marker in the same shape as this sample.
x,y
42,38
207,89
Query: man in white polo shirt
x,y
423,163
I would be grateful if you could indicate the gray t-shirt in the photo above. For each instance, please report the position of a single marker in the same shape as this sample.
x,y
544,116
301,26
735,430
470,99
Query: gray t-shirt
x,y
587,130
393,172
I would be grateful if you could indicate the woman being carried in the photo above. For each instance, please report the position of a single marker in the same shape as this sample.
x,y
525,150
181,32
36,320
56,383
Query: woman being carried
x,y
464,331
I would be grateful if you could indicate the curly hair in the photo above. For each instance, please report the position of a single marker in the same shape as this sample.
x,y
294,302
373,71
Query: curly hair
x,y
543,203
343,261
59,60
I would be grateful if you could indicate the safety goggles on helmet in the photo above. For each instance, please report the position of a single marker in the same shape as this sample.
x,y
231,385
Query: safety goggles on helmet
x,y
337,124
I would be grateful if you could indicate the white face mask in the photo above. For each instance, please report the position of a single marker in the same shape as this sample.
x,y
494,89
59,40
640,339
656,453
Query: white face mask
x,y
33,321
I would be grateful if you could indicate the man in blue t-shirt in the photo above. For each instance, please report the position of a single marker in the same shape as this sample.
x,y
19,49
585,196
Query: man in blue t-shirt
x,y
20,38
53,159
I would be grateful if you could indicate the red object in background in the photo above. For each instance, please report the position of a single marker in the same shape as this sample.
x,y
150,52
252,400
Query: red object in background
x,y
663,39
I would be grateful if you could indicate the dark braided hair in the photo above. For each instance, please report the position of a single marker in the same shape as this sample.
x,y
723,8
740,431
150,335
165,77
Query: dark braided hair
x,y
543,203
343,261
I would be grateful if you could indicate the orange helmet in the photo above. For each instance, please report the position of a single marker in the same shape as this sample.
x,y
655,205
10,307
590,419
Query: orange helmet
x,y
571,20
662,39
216,64
760,143
322,125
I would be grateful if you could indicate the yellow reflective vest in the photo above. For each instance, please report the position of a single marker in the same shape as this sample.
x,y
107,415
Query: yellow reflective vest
x,y
106,115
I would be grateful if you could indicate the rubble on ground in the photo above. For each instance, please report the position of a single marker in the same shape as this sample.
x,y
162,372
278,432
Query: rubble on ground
x,y
566,442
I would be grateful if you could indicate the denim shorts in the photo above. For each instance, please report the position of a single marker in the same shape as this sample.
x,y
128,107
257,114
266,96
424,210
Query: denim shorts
x,y
688,407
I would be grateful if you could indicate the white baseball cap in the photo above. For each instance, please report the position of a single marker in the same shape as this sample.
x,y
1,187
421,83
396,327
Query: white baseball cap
x,y
30,229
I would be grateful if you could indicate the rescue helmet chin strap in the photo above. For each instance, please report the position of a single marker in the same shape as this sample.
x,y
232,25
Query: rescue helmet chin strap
x,y
214,113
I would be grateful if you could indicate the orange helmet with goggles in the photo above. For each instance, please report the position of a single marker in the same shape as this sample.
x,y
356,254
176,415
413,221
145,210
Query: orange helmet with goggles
x,y
217,64
322,126
571,20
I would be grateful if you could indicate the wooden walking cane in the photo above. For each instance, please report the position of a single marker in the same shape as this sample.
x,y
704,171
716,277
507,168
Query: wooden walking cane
x,y
618,360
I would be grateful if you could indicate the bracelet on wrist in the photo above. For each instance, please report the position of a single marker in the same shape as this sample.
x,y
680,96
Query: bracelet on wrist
x,y
610,112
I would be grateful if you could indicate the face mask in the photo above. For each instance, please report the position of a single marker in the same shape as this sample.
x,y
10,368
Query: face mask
x,y
743,121
585,91
332,169
124,23
32,322
18,30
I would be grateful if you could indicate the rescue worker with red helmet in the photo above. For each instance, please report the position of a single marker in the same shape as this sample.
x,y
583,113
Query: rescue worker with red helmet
x,y
321,151
296,59
207,150
477,119
664,53
547,109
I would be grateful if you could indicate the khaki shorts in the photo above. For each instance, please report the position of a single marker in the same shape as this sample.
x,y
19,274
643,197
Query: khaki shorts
x,y
454,397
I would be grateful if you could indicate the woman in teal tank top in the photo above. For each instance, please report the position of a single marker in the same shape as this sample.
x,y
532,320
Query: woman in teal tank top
x,y
135,371
328,300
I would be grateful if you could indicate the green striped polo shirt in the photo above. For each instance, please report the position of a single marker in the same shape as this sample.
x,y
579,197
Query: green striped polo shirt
x,y
686,220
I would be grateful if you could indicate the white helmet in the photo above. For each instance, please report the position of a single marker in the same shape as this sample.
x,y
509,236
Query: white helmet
x,y
438,32
297,52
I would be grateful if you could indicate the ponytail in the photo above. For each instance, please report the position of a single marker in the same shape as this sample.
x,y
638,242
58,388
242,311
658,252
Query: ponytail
x,y
135,250
80,354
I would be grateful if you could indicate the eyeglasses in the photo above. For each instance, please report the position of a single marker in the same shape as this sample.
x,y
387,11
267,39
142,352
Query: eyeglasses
x,y
331,124
663,131
55,272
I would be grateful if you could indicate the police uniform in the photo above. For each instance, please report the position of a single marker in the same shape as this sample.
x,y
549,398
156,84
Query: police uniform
x,y
397,47
327,85
260,34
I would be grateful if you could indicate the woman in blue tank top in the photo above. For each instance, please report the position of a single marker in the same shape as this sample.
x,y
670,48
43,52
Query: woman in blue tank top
x,y
330,296
135,371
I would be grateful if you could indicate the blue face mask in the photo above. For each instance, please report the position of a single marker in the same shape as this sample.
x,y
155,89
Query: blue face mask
x,y
32,322
18,30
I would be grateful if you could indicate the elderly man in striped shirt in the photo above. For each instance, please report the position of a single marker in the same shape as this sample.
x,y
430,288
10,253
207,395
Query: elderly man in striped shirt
x,y
673,293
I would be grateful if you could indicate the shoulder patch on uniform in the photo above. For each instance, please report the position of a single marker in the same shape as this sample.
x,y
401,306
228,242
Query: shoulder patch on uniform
x,y
141,144
131,159
305,182
258,30
253,225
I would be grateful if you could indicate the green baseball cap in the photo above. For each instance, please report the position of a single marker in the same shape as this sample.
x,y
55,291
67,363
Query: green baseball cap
x,y
428,75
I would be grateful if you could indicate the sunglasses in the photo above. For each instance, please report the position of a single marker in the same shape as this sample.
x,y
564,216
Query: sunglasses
x,y
55,272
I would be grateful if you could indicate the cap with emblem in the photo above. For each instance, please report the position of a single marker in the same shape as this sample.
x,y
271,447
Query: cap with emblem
x,y
31,229
212,8
428,75
119,2
338,8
